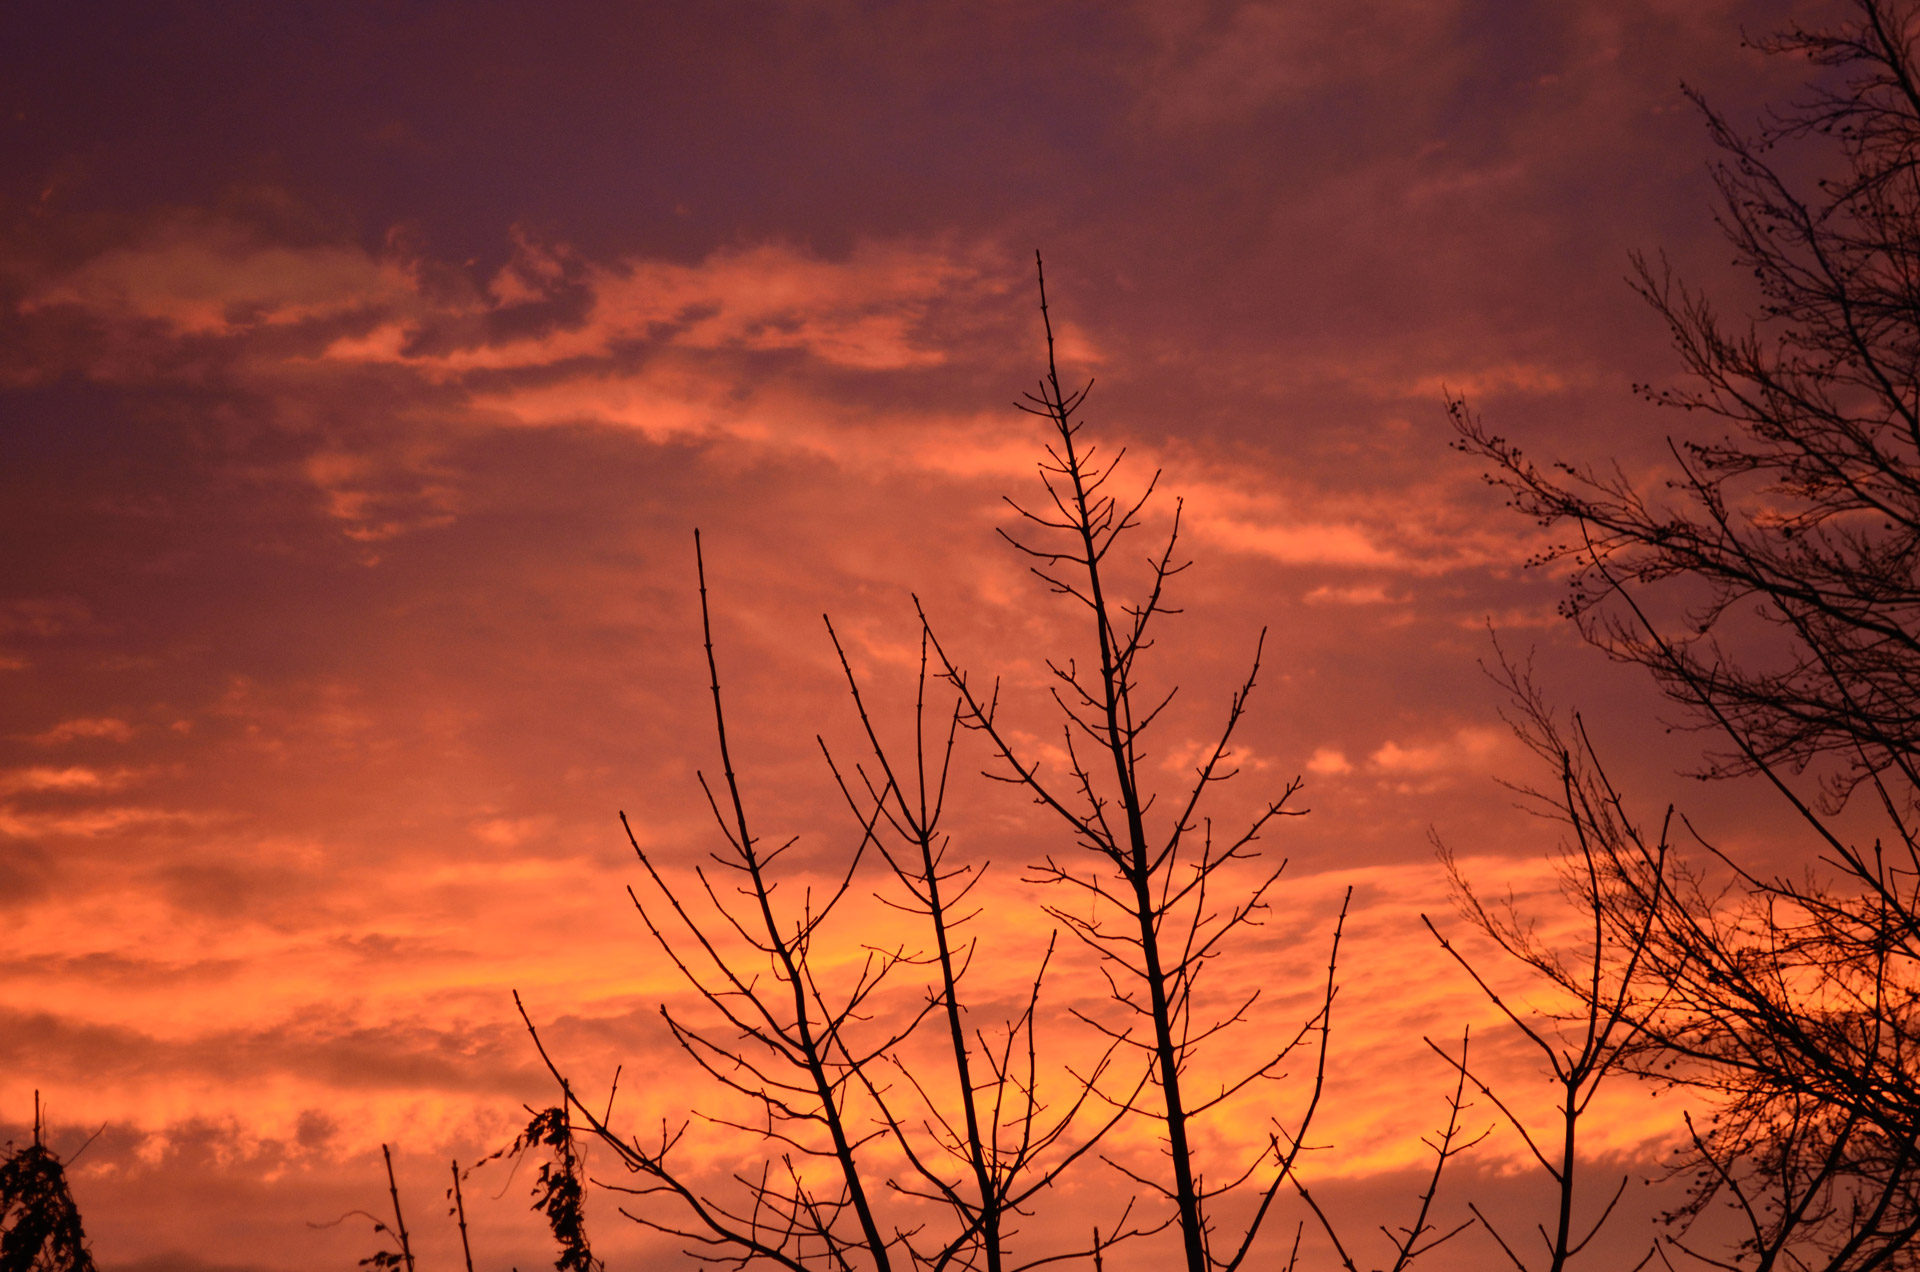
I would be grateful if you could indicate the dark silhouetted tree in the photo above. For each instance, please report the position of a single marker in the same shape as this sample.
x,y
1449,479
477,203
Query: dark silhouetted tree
x,y
1770,588
1597,993
802,1049
1154,905
876,1161
40,1228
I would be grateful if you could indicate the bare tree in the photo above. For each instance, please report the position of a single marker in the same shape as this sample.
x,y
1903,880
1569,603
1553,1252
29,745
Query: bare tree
x,y
1422,1235
821,1061
794,1046
1770,588
1608,866
1155,907
999,1139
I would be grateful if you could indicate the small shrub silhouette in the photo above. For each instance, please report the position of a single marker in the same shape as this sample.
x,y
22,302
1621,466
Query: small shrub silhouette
x,y
559,1191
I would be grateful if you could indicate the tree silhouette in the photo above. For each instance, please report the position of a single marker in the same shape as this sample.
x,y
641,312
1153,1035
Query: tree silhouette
x,y
872,1161
1158,906
1770,588
40,1229
1608,985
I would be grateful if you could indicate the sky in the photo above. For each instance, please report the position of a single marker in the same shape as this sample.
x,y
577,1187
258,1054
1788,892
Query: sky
x,y
365,371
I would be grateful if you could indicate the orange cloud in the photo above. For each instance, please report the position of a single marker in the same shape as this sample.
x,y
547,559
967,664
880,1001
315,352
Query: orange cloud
x,y
1473,749
203,275
75,778
864,312
105,728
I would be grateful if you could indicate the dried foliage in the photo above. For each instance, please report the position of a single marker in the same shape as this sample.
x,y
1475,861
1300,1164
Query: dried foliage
x,y
559,1187
395,1227
40,1228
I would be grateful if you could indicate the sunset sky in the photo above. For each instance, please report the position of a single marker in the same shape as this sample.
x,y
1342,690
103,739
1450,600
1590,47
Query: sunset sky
x,y
366,369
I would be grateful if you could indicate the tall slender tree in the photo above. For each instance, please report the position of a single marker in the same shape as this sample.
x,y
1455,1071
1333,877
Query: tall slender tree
x,y
1156,905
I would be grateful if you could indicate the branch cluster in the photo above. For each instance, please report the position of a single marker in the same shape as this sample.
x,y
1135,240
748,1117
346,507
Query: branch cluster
x,y
1788,1001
